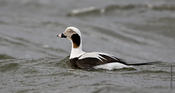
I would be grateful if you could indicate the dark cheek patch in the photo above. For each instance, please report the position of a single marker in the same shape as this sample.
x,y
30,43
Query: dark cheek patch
x,y
76,40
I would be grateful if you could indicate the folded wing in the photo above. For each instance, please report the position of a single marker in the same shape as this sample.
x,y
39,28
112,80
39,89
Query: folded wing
x,y
89,60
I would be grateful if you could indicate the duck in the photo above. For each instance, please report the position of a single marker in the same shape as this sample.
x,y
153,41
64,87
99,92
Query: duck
x,y
80,59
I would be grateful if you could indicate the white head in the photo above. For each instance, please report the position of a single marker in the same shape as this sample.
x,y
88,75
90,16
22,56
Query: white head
x,y
76,30
73,34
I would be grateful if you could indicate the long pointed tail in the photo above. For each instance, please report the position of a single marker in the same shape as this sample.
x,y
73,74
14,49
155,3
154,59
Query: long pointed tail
x,y
146,63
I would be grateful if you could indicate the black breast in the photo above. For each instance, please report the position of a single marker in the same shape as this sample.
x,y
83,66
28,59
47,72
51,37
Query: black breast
x,y
73,63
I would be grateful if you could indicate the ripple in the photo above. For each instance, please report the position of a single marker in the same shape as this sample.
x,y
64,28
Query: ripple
x,y
4,56
94,10
150,72
9,67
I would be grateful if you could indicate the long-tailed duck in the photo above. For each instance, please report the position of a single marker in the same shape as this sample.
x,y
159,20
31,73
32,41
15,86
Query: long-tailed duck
x,y
91,60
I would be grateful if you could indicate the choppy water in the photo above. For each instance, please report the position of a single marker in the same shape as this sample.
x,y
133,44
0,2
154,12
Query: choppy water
x,y
32,58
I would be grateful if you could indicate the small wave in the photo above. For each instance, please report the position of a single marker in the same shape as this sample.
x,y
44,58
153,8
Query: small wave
x,y
26,2
2,22
149,71
4,56
64,63
84,11
109,8
8,67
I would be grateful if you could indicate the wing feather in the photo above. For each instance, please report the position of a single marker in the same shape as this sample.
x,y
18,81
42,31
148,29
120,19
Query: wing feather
x,y
90,60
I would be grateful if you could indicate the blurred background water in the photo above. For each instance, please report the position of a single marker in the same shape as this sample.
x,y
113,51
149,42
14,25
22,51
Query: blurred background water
x,y
32,58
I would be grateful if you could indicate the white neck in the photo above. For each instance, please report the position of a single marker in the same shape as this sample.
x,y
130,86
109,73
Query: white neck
x,y
76,52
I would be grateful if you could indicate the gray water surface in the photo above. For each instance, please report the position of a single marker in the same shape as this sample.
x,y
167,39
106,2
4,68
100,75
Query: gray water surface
x,y
33,59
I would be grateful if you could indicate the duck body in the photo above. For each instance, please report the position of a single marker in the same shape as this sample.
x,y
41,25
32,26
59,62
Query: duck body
x,y
91,60
97,60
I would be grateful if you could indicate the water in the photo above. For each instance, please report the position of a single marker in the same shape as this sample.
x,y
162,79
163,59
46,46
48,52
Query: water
x,y
33,59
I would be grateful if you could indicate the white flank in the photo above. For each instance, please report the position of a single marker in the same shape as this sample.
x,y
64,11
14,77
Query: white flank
x,y
112,66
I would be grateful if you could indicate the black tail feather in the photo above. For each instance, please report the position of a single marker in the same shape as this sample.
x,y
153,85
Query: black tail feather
x,y
146,63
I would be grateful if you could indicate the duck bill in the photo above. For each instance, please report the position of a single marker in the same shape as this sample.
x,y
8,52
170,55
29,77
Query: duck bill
x,y
61,35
